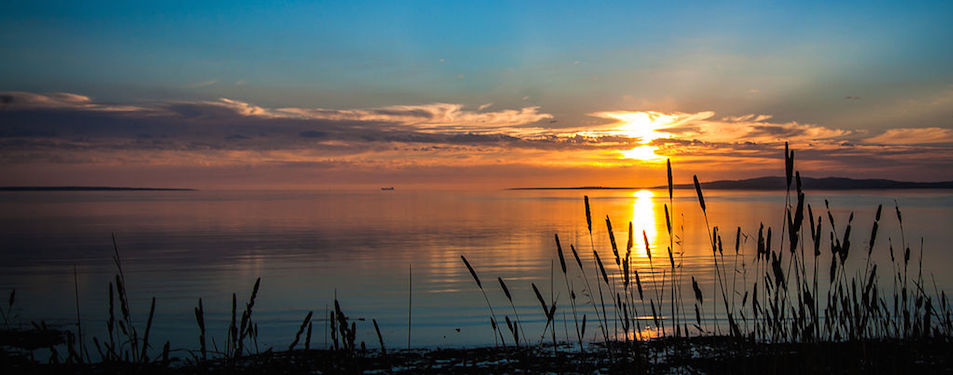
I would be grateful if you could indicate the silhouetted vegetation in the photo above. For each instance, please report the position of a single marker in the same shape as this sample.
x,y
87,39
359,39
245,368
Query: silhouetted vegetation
x,y
775,305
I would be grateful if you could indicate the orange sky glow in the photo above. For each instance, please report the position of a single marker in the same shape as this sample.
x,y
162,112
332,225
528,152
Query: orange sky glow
x,y
232,144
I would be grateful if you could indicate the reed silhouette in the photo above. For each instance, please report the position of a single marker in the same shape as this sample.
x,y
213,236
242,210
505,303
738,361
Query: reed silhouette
x,y
785,307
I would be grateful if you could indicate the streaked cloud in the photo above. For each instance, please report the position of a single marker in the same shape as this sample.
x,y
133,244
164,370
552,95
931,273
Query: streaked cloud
x,y
913,136
436,116
60,100
198,85
703,126
62,128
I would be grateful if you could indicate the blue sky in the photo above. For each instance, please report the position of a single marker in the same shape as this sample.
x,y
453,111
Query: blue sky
x,y
862,66
378,53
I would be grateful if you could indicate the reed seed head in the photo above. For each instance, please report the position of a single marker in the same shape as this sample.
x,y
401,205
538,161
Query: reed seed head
x,y
472,272
698,191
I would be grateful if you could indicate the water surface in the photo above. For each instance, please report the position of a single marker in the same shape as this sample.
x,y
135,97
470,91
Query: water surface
x,y
306,246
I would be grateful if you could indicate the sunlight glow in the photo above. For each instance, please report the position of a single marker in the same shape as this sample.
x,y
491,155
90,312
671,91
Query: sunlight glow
x,y
642,125
645,127
645,153
643,194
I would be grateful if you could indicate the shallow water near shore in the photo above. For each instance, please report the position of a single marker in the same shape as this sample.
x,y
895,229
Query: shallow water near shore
x,y
306,246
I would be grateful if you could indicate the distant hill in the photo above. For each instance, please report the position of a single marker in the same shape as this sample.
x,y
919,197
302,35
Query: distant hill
x,y
827,183
86,188
778,183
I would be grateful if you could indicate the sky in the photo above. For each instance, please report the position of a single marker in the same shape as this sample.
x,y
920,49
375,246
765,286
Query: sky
x,y
288,94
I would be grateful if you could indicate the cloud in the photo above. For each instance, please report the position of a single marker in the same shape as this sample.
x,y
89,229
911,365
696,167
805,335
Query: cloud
x,y
198,85
57,123
59,100
74,129
751,128
242,108
313,134
19,99
436,116
443,116
912,136
704,127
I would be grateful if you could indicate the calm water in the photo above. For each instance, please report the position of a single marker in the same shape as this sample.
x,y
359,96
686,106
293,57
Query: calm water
x,y
182,246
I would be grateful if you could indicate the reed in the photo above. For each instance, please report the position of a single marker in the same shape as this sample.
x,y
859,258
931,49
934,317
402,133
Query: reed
x,y
79,320
790,303
145,336
602,301
200,320
7,313
715,241
604,322
569,290
345,333
307,339
304,325
517,330
548,311
611,285
245,326
380,338
124,343
493,321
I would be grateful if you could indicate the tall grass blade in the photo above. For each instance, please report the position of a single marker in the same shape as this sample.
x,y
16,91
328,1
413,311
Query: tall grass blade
x,y
472,272
698,191
671,186
559,251
588,215
304,325
380,339
145,336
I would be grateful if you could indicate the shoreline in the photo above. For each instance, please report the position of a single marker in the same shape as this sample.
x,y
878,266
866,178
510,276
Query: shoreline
x,y
697,354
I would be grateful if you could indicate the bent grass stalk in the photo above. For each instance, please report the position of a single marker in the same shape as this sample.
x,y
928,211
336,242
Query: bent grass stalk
x,y
854,309
493,321
569,289
604,322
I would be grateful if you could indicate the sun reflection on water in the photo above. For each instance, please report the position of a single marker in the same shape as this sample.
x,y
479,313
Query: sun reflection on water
x,y
643,217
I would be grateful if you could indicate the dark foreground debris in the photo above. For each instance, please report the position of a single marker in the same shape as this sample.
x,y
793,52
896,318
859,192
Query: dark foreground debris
x,y
687,356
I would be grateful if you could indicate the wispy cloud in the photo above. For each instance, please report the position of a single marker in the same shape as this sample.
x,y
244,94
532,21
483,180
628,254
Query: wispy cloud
x,y
198,85
913,136
751,128
60,100
436,116
64,128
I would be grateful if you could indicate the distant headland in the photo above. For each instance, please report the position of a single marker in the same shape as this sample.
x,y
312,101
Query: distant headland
x,y
87,188
779,183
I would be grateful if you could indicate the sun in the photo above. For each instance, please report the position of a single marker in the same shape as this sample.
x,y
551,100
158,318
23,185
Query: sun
x,y
644,153
644,127
643,194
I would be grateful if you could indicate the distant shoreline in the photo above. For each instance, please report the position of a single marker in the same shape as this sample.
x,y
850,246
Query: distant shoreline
x,y
87,188
779,183
581,188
